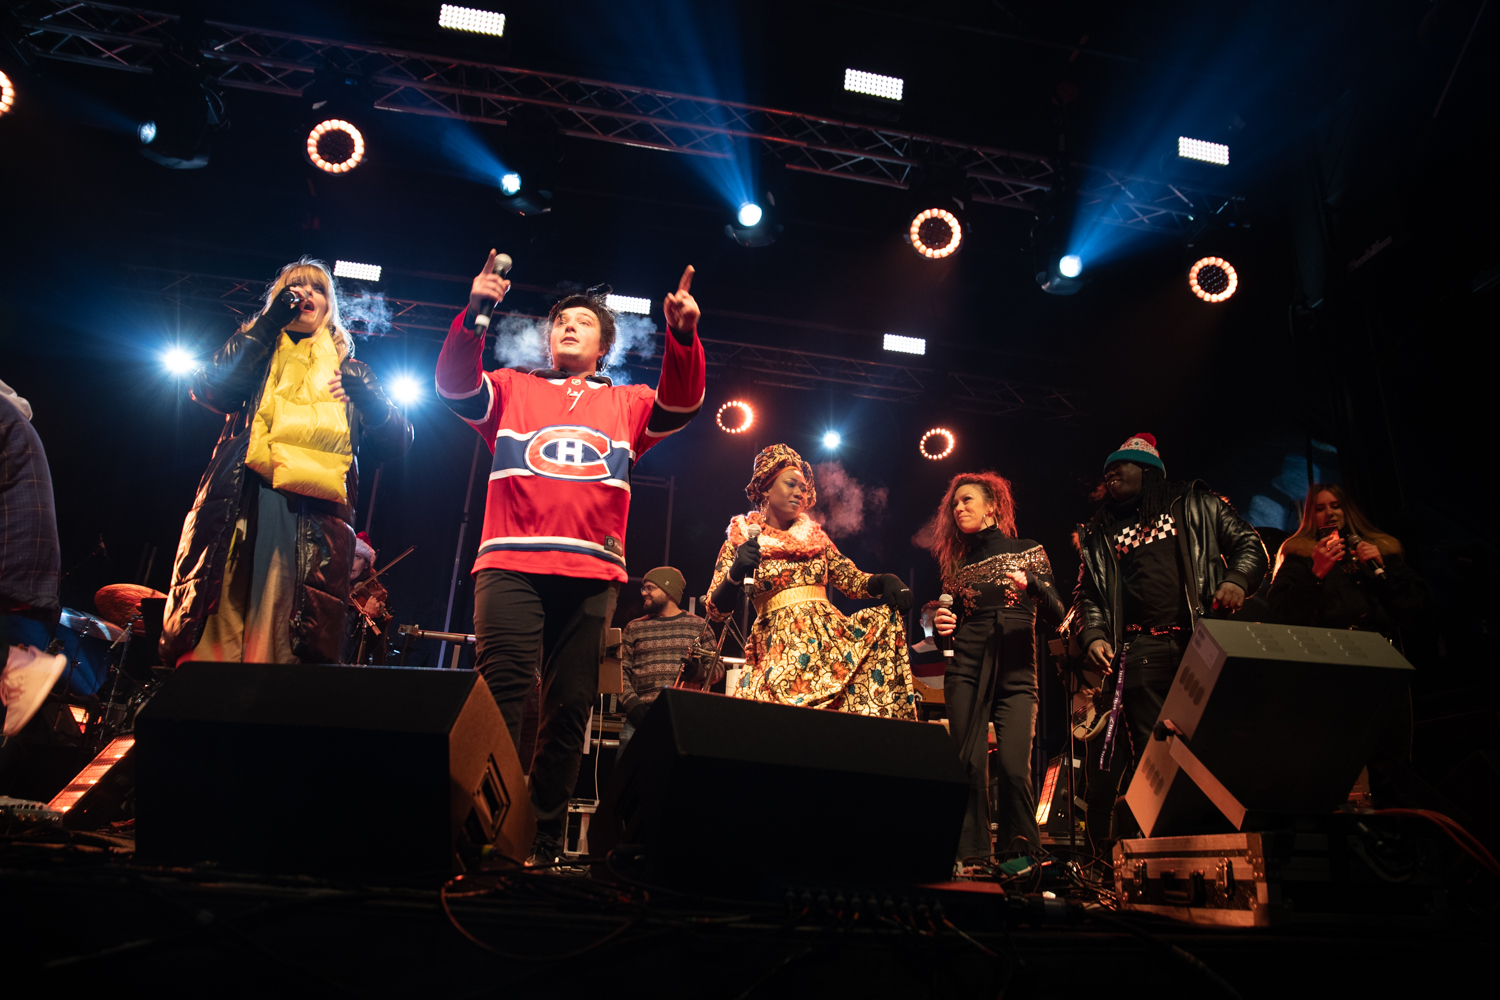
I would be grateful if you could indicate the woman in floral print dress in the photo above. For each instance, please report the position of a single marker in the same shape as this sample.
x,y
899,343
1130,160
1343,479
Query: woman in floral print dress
x,y
802,650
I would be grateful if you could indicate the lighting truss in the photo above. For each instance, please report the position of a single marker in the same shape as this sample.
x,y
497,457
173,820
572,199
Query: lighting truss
x,y
775,366
279,62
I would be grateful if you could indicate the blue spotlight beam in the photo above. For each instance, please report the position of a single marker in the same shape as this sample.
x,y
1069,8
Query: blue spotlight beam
x,y
283,63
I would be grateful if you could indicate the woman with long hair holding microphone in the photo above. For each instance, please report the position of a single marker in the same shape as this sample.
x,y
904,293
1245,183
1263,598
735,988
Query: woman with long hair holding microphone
x,y
262,570
998,582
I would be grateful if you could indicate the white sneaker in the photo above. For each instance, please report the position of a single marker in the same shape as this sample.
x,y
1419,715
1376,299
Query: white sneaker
x,y
25,683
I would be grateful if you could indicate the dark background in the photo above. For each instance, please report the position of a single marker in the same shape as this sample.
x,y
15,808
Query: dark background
x,y
1379,374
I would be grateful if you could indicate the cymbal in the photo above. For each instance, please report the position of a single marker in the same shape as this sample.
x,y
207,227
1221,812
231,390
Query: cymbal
x,y
119,602
85,624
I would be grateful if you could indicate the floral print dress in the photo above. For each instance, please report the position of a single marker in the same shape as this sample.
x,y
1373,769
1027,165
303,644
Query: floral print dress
x,y
802,650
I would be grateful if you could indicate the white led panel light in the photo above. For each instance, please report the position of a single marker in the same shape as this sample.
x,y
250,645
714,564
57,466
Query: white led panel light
x,y
906,345
857,81
1198,149
360,272
628,304
481,22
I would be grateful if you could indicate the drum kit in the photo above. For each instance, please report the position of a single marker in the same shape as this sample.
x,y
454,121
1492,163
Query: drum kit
x,y
86,662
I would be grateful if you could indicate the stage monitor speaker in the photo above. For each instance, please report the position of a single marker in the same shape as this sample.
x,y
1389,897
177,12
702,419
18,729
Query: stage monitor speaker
x,y
726,796
1264,720
311,769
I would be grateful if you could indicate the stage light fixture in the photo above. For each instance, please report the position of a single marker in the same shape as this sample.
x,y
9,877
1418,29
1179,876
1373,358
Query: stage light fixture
x,y
935,233
335,146
628,304
7,94
859,82
1070,266
1198,149
832,439
937,443
480,22
1213,279
405,390
91,775
178,361
905,345
359,272
746,417
749,215
146,132
510,184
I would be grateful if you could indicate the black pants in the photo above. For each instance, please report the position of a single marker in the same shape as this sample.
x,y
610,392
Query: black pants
x,y
1009,648
526,620
1151,662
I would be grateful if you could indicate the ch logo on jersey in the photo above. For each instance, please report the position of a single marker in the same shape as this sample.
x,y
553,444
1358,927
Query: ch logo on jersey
x,y
569,452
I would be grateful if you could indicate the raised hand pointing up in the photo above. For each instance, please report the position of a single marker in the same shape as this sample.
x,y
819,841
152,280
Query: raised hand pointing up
x,y
680,307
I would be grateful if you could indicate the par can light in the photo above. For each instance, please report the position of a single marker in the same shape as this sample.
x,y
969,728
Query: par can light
x,y
937,444
749,215
1213,279
741,416
935,233
335,146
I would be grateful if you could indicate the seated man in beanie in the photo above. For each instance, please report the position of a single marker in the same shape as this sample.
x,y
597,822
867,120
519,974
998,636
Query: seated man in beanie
x,y
655,647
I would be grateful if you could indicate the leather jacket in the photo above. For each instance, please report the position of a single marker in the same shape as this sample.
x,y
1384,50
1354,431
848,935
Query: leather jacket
x,y
232,384
1215,545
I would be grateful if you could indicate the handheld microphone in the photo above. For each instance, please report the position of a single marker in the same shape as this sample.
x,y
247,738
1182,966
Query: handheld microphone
x,y
752,533
503,264
1369,564
944,642
289,297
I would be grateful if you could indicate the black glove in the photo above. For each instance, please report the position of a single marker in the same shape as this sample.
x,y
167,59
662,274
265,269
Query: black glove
x,y
636,713
363,390
746,562
890,589
692,670
283,309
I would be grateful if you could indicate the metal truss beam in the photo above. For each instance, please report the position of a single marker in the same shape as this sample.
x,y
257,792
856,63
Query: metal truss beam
x,y
277,62
775,366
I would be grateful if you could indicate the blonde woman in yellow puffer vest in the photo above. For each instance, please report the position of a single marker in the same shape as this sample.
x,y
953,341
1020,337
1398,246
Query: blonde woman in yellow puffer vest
x,y
262,570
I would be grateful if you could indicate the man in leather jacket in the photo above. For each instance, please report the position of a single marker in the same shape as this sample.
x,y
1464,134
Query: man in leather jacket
x,y
1156,557
262,568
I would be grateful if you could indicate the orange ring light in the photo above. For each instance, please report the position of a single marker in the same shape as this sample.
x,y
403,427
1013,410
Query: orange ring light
x,y
1213,279
335,125
955,233
746,411
942,440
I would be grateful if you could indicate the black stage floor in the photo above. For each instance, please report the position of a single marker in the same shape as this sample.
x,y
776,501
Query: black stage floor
x,y
77,915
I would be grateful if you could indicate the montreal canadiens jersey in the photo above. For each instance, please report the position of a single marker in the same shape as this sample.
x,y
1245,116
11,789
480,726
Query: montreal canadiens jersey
x,y
563,446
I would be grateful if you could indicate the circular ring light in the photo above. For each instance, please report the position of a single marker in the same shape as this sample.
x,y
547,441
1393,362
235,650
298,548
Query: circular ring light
x,y
747,417
935,233
335,146
937,443
7,94
1213,279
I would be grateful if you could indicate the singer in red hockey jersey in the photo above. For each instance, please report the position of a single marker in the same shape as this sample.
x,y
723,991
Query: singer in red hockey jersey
x,y
552,555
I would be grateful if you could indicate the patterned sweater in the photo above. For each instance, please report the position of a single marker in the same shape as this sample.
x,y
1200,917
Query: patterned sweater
x,y
651,654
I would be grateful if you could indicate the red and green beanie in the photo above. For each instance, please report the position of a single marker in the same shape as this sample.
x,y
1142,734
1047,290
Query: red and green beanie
x,y
1140,449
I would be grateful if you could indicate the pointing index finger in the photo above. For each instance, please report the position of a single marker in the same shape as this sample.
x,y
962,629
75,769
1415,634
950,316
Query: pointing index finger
x,y
489,263
686,284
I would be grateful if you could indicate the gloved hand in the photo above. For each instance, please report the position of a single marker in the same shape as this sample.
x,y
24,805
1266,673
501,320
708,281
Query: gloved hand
x,y
746,561
890,589
361,388
637,712
692,670
279,314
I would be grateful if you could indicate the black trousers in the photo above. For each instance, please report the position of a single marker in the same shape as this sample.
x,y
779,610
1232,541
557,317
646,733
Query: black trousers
x,y
1151,662
1001,654
526,621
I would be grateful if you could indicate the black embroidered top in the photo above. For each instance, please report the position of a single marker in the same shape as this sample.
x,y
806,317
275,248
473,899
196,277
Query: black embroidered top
x,y
983,584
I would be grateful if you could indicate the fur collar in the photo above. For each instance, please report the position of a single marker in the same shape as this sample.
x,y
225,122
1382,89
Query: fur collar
x,y
803,540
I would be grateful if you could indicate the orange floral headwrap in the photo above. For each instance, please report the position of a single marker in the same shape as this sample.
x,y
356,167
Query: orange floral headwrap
x,y
768,463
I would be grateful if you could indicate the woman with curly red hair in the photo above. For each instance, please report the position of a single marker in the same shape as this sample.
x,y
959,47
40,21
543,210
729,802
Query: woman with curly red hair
x,y
802,650
998,581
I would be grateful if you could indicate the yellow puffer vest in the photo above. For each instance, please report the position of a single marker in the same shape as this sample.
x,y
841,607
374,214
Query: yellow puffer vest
x,y
299,439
